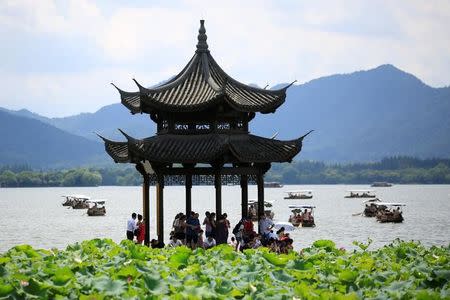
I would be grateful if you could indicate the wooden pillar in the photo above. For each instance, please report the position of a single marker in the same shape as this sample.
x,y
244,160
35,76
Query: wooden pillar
x,y
146,207
160,208
188,184
244,195
260,183
218,186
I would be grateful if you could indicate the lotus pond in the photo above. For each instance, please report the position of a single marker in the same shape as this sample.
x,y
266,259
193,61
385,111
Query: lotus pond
x,y
102,269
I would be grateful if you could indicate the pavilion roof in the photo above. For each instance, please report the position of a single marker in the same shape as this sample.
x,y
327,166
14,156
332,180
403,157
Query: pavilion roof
x,y
203,148
202,83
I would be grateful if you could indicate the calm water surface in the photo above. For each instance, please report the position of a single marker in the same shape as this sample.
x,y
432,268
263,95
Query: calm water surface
x,y
35,216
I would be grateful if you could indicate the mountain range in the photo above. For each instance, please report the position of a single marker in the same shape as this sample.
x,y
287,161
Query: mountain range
x,y
35,143
362,116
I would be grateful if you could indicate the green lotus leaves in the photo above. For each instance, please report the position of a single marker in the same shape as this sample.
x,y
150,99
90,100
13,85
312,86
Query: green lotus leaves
x,y
180,257
326,244
5,289
101,269
278,260
62,275
108,286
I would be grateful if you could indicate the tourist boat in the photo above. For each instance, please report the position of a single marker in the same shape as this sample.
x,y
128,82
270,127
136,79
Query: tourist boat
x,y
96,208
298,217
390,212
371,207
71,200
253,209
303,194
273,184
381,184
80,203
361,194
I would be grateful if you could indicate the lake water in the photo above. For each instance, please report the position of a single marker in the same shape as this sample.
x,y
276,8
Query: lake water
x,y
35,216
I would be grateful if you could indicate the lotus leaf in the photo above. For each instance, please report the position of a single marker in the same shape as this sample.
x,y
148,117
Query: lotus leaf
x,y
100,269
108,286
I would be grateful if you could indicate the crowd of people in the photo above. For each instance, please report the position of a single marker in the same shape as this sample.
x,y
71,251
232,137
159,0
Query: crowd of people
x,y
186,230
215,230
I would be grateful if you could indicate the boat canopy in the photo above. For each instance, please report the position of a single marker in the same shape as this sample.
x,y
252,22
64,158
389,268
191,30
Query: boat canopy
x,y
390,204
302,206
98,201
83,197
255,201
372,200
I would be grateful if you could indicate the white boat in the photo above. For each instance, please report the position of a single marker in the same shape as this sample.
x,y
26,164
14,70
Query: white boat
x,y
301,194
301,216
361,194
96,207
253,209
273,184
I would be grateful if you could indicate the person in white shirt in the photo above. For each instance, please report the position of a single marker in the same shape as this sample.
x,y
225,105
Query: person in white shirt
x,y
174,242
233,243
210,242
131,227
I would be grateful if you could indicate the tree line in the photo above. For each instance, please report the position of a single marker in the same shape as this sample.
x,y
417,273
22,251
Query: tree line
x,y
400,169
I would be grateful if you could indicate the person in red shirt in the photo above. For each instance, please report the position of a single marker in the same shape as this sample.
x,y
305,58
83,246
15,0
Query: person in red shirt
x,y
141,230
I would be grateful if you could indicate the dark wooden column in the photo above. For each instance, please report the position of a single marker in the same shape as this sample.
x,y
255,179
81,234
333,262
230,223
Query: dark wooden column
x,y
160,208
188,184
218,186
145,200
260,183
146,207
244,195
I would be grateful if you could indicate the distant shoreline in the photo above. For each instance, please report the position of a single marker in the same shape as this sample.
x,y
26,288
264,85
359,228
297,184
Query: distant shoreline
x,y
395,170
285,184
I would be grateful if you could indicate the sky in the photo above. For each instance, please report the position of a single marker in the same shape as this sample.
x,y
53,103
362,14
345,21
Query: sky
x,y
58,58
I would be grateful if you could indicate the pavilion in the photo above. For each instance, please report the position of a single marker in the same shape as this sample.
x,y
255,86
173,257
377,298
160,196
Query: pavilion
x,y
202,117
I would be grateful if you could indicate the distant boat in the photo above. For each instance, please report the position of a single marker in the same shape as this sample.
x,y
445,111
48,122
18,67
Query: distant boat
x,y
76,201
389,212
371,208
304,194
273,184
361,194
96,208
381,184
253,209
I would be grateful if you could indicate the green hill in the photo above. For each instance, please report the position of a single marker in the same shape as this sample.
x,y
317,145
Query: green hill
x,y
40,145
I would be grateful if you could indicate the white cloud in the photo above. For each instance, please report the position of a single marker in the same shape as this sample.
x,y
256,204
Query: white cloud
x,y
64,94
262,42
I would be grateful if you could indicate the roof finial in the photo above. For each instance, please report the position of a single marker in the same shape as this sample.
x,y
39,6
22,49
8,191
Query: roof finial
x,y
202,46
